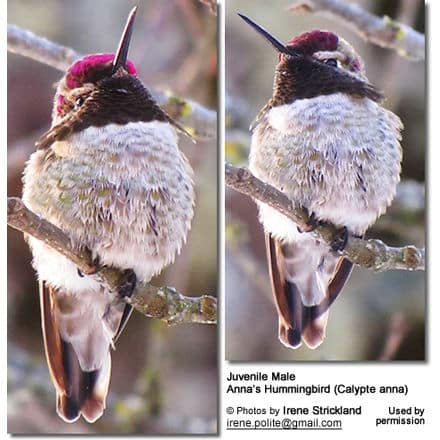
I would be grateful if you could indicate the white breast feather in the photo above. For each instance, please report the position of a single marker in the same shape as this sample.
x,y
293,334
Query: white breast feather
x,y
336,155
139,165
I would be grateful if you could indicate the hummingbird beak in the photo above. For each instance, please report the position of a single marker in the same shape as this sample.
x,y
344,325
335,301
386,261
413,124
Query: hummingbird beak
x,y
120,59
280,47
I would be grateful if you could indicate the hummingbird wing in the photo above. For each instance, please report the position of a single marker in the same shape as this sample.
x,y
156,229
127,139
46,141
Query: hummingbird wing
x,y
52,340
261,115
79,390
180,128
303,291
73,121
285,295
128,309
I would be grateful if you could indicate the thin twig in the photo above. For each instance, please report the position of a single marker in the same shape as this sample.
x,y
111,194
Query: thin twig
x,y
407,13
163,303
383,31
201,120
372,254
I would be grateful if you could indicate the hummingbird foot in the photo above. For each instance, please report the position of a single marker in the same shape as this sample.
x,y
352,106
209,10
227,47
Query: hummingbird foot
x,y
127,283
93,268
311,224
340,240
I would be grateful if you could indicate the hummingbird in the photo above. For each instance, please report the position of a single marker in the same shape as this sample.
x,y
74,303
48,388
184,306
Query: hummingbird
x,y
325,141
110,174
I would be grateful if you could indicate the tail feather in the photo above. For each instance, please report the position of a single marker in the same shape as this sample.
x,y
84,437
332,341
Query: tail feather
x,y
69,399
313,332
84,399
92,409
306,279
87,400
290,335
95,386
79,392
67,408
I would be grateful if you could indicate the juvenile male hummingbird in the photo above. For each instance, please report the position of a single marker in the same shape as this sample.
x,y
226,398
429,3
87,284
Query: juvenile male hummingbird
x,y
110,174
326,142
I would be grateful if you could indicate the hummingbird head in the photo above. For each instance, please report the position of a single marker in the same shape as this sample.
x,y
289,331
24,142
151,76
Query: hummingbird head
x,y
83,78
102,89
89,78
316,63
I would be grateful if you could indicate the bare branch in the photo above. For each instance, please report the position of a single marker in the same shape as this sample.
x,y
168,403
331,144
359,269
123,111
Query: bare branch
x,y
383,31
201,120
372,254
163,303
27,44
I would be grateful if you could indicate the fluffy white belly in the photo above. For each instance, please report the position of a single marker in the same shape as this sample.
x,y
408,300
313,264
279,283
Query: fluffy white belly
x,y
125,192
337,156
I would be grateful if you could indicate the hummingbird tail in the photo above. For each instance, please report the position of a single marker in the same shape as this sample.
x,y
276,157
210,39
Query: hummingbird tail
x,y
84,395
69,399
304,291
305,323
290,332
94,387
79,392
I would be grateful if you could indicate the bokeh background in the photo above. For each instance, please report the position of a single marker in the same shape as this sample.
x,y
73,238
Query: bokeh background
x,y
379,316
164,379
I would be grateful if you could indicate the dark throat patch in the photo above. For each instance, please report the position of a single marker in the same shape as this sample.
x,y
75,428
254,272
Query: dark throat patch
x,y
116,100
302,77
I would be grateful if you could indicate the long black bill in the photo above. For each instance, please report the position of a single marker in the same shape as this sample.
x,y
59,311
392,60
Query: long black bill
x,y
120,59
280,47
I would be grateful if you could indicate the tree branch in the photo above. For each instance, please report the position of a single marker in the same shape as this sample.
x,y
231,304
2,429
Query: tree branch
x,y
383,31
163,303
201,120
372,254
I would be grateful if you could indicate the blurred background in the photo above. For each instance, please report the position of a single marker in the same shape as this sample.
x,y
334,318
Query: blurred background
x,y
164,379
379,316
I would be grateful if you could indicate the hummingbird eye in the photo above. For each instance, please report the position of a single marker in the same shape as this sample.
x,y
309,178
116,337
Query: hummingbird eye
x,y
79,102
332,62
